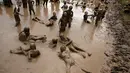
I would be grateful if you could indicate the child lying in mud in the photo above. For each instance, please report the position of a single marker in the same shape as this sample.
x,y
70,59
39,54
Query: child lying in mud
x,y
49,23
25,36
69,44
30,53
72,46
64,54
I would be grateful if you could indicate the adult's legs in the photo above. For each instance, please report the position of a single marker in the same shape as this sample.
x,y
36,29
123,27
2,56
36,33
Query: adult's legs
x,y
30,11
33,11
69,22
24,5
43,3
38,2
96,22
17,19
46,3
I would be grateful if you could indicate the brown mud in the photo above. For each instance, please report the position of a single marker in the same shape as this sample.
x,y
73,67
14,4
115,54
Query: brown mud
x,y
86,36
117,56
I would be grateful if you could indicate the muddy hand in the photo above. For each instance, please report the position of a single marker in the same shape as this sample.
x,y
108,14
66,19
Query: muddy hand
x,y
89,54
83,55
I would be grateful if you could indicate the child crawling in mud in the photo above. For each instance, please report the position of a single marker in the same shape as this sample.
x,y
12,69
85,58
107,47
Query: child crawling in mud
x,y
30,53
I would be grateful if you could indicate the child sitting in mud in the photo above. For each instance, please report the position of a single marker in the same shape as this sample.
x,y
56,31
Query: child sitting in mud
x,y
52,20
53,43
85,17
31,52
25,36
65,6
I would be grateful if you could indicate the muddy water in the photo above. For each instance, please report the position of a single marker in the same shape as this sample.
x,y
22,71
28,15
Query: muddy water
x,y
85,35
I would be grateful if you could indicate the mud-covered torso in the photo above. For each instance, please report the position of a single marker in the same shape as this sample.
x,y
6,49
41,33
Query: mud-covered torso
x,y
22,36
34,53
63,21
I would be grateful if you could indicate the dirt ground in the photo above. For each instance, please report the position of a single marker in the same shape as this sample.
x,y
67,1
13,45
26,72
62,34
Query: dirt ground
x,y
85,35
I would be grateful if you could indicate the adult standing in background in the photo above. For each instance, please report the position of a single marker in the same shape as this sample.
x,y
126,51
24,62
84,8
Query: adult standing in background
x,y
24,3
69,15
31,3
37,2
19,2
45,1
8,3
55,3
16,15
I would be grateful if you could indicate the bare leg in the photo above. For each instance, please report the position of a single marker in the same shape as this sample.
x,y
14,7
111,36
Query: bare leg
x,y
16,52
77,48
68,68
29,56
74,50
35,38
19,51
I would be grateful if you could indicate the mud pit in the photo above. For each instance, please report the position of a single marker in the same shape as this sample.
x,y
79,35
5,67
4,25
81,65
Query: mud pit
x,y
85,35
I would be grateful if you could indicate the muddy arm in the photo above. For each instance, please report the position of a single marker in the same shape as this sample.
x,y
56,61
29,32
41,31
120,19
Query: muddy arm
x,y
68,68
29,56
